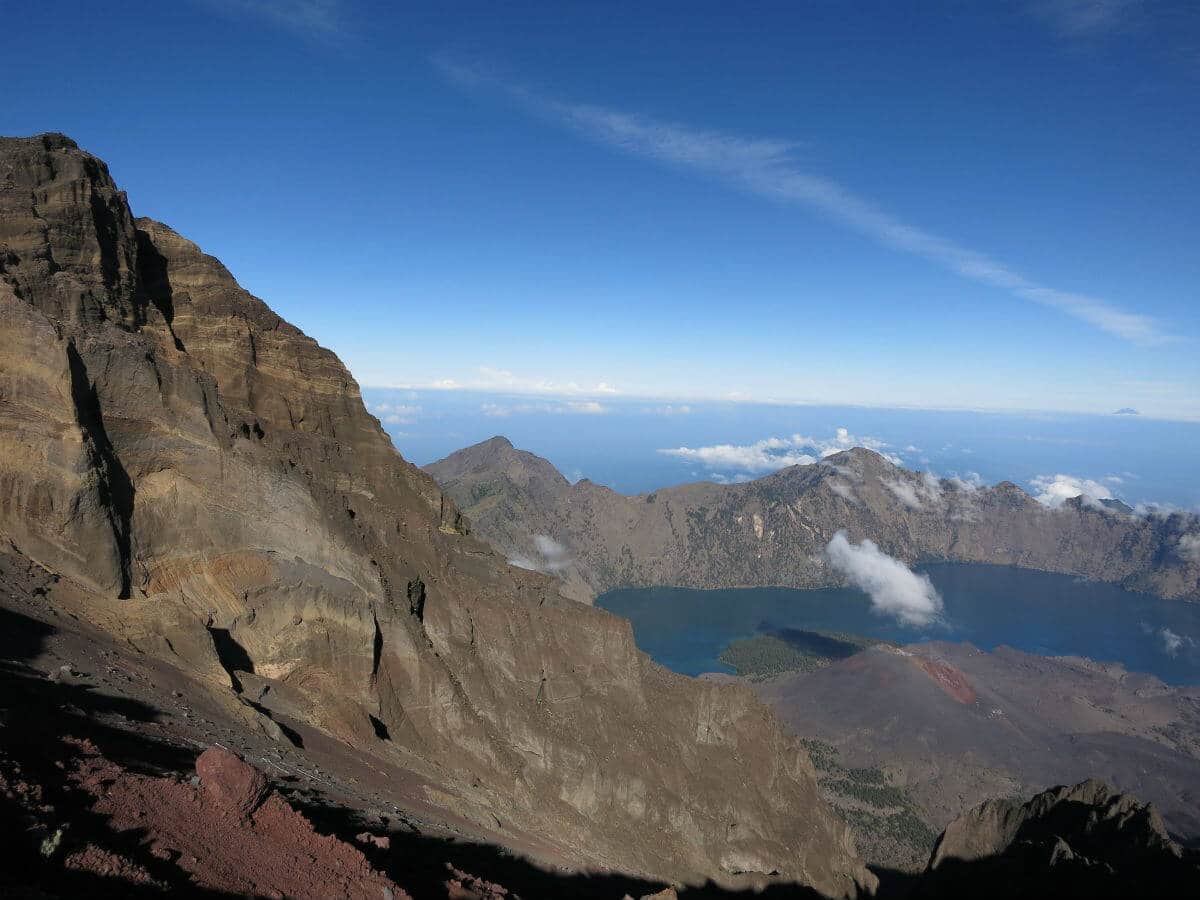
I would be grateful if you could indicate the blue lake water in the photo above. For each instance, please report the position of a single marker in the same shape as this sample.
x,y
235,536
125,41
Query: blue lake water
x,y
1053,615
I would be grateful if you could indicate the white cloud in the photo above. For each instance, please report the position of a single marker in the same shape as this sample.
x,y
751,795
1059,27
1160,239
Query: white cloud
x,y
584,407
905,493
396,413
1173,642
719,478
1054,490
554,553
843,490
895,590
672,409
553,556
1189,548
968,483
773,453
491,380
767,167
761,456
931,486
914,495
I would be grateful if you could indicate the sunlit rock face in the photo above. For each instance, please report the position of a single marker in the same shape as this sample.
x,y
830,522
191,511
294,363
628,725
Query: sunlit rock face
x,y
210,475
774,531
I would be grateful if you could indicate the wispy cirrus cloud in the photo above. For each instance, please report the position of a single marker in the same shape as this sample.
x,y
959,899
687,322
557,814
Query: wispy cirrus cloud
x,y
768,168
323,19
1085,18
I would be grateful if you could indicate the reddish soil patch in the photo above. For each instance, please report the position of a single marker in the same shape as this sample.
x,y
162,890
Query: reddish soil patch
x,y
93,860
949,679
229,833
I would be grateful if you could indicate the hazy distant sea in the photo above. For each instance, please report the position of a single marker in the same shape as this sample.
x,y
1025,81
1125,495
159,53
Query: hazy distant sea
x,y
616,442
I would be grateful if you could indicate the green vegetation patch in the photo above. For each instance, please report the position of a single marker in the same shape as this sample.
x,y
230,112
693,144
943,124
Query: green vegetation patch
x,y
791,650
887,823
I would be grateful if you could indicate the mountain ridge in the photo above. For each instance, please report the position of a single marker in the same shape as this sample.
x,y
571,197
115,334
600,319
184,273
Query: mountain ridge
x,y
771,531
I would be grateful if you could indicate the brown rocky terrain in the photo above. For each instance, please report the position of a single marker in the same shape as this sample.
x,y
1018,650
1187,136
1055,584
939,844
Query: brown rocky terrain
x,y
96,738
1082,841
771,531
198,482
953,725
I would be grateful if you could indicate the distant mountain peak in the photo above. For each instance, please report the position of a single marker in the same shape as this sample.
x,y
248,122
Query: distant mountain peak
x,y
499,442
772,530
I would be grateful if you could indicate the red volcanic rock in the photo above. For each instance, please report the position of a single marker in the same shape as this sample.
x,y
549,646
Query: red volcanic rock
x,y
949,679
375,840
464,886
231,782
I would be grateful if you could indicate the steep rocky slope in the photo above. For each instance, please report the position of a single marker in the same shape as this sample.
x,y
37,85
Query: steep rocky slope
x,y
1082,841
206,477
770,532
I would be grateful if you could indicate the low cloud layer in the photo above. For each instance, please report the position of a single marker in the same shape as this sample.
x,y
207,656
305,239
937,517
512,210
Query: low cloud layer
x,y
488,379
774,453
555,407
895,590
1055,490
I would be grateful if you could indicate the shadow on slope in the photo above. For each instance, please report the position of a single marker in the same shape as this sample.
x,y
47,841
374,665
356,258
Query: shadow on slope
x,y
41,710
39,807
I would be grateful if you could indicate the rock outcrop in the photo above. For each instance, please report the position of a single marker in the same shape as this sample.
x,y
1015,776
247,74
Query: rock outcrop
x,y
1082,841
209,476
771,531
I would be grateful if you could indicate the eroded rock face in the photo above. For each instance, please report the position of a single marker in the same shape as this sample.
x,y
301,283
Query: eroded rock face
x,y
210,474
772,531
1081,841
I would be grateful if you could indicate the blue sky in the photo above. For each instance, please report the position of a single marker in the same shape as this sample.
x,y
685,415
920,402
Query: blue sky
x,y
962,205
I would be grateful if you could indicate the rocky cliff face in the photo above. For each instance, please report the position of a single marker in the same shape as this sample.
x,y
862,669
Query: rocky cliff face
x,y
1081,841
208,475
770,532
